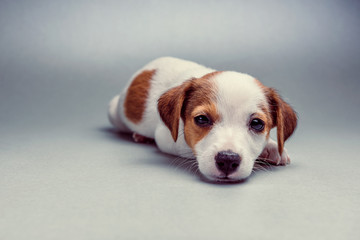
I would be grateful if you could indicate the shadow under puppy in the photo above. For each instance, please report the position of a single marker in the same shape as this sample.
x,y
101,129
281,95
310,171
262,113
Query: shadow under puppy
x,y
221,118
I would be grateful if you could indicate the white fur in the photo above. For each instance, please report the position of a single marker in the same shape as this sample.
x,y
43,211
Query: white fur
x,y
170,72
238,97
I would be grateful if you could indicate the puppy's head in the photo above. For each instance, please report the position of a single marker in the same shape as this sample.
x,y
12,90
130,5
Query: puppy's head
x,y
227,120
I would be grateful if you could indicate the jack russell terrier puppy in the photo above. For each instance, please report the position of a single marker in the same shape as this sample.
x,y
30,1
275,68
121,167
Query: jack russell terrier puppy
x,y
221,118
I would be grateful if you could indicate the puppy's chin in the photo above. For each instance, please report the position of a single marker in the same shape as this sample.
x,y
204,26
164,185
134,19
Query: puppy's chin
x,y
223,179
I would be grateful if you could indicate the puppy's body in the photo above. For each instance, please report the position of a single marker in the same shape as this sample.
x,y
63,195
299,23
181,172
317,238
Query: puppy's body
x,y
197,112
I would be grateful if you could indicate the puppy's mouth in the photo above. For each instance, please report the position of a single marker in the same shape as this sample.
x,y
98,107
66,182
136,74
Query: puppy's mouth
x,y
221,179
227,179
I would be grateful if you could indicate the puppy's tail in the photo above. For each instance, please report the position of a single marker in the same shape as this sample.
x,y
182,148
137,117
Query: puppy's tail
x,y
113,115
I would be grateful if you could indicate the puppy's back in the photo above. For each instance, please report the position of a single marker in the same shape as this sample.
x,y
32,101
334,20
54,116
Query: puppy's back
x,y
135,109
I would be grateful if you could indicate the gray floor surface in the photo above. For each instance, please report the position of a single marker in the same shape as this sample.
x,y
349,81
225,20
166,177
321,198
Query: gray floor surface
x,y
66,174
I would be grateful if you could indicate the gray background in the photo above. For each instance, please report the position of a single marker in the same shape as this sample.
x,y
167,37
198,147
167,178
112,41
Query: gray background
x,y
65,174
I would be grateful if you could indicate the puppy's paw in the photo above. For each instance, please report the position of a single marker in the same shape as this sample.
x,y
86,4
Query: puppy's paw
x,y
141,139
271,154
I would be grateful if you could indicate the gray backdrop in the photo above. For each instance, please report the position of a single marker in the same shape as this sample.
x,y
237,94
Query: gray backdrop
x,y
65,174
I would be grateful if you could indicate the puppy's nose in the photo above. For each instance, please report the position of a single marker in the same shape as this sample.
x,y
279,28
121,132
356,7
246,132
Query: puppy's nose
x,y
227,161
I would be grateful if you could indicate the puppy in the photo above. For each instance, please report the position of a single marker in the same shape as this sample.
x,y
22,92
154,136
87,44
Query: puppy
x,y
221,118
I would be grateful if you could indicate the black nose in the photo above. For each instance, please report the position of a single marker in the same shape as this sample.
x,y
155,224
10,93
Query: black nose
x,y
227,161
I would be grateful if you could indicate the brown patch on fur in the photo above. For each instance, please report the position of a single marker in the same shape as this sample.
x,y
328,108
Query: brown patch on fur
x,y
169,107
283,117
266,117
193,132
181,101
137,94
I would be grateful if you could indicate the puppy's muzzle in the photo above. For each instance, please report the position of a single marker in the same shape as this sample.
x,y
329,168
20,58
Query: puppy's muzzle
x,y
227,162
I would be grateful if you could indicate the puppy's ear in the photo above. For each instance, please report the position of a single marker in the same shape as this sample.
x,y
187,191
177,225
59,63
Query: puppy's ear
x,y
170,106
283,117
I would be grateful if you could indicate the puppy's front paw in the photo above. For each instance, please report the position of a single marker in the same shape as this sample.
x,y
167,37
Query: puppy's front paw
x,y
141,139
271,154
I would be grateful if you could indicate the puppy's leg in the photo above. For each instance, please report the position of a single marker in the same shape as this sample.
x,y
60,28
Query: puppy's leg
x,y
164,140
114,117
271,154
141,139
166,143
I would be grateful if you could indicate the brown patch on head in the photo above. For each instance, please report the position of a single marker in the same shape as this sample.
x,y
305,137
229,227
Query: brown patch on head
x,y
193,132
193,98
282,116
266,117
266,110
137,93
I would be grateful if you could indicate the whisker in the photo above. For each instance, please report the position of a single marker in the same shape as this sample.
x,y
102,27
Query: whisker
x,y
260,168
262,164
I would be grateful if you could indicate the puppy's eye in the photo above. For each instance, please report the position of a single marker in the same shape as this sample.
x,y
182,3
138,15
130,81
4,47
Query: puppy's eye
x,y
257,124
202,121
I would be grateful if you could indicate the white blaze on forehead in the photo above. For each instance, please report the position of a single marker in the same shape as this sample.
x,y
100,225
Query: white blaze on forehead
x,y
238,96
